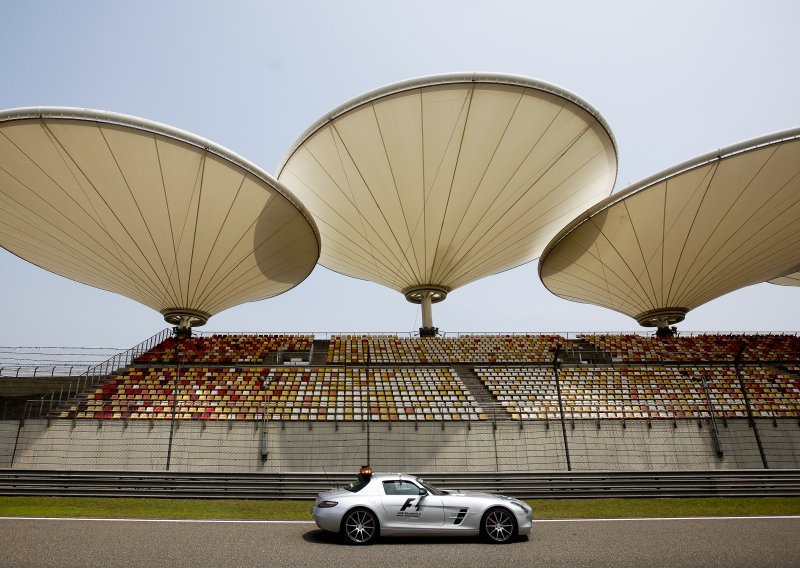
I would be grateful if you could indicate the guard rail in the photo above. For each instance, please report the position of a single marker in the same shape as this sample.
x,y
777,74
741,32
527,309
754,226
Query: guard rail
x,y
524,485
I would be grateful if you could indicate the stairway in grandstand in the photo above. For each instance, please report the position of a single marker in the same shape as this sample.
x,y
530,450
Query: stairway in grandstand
x,y
67,406
319,351
476,387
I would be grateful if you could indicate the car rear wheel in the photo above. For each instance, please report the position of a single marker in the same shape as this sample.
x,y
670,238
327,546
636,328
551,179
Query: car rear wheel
x,y
360,526
498,526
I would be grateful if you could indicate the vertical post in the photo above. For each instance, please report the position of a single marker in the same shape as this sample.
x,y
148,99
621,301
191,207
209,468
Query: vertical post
x,y
16,441
264,406
369,406
556,351
738,364
717,440
174,404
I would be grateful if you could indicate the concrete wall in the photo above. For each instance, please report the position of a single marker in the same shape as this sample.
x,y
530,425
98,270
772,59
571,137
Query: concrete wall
x,y
432,447
8,434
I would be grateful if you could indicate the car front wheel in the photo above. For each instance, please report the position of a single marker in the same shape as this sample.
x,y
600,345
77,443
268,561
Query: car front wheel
x,y
360,526
498,526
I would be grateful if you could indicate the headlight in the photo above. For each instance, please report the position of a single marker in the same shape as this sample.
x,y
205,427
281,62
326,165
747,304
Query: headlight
x,y
327,504
520,505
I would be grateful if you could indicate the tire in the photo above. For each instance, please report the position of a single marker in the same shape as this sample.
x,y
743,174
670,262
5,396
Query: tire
x,y
498,526
360,526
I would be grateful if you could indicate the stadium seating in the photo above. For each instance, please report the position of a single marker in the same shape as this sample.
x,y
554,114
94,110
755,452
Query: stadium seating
x,y
654,392
337,393
389,378
461,349
282,393
203,392
697,348
223,349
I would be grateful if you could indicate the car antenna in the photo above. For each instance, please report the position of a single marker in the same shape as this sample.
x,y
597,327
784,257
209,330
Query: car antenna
x,y
328,479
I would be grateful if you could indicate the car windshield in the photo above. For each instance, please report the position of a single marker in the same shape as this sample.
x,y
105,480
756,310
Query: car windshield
x,y
431,489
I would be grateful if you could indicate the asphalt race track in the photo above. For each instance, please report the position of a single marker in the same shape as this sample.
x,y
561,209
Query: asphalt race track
x,y
751,542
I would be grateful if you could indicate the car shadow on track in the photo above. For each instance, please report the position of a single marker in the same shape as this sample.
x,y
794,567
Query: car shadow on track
x,y
318,536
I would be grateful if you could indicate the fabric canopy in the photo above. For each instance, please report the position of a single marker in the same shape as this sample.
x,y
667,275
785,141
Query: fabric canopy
x,y
150,212
685,236
436,182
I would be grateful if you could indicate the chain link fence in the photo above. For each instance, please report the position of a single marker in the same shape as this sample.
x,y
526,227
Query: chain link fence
x,y
480,446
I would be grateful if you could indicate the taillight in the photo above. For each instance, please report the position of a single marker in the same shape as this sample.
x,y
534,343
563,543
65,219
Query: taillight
x,y
327,504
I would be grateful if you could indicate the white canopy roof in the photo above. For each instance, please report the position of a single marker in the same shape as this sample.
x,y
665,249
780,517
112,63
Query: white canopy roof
x,y
788,280
433,183
685,236
150,212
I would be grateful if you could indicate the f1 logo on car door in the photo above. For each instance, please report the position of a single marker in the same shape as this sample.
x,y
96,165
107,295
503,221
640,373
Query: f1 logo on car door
x,y
408,503
404,505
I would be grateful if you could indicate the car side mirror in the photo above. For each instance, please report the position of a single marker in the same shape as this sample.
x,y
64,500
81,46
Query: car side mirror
x,y
423,491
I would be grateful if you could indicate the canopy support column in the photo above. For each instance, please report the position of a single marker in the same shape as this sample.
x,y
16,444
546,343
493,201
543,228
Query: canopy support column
x,y
427,329
426,296
184,320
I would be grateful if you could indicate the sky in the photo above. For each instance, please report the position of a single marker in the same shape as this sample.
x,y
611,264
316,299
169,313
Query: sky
x,y
673,79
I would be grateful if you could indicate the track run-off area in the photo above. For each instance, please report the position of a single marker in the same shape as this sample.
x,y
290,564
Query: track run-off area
x,y
709,542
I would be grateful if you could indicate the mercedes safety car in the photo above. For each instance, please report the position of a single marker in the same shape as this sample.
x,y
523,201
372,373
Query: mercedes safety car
x,y
395,504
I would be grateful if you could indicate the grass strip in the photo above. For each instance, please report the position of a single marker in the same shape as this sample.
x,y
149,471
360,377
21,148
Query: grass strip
x,y
684,507
146,508
286,510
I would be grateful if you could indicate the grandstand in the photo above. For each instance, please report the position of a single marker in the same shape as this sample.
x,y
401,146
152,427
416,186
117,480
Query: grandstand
x,y
203,384
469,401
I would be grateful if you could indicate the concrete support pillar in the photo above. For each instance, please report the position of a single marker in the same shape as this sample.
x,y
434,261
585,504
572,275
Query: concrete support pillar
x,y
427,311
426,296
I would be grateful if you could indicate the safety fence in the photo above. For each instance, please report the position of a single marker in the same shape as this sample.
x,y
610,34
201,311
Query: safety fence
x,y
523,485
35,362
478,446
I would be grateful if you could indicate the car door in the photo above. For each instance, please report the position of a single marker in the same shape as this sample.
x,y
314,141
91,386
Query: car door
x,y
404,505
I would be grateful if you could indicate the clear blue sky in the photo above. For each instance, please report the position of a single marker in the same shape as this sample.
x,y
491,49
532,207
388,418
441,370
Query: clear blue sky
x,y
673,79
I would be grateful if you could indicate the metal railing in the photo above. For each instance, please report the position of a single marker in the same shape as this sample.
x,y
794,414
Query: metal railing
x,y
35,362
91,377
523,485
415,334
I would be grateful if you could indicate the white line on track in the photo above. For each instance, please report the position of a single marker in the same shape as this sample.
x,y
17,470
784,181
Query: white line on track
x,y
210,521
637,519
257,522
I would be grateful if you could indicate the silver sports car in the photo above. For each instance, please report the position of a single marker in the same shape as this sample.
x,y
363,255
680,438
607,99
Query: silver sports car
x,y
397,504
